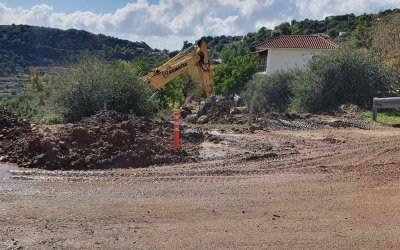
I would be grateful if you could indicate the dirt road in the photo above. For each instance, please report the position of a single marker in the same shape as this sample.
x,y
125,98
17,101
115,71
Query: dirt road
x,y
328,188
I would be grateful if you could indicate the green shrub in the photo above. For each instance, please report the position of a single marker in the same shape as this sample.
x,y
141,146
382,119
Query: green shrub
x,y
52,119
172,95
88,86
234,50
232,77
29,103
270,92
24,105
385,44
332,79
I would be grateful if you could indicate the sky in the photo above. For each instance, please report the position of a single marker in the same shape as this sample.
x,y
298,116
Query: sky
x,y
165,24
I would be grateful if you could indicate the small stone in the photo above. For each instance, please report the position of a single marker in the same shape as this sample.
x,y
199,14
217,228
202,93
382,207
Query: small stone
x,y
202,119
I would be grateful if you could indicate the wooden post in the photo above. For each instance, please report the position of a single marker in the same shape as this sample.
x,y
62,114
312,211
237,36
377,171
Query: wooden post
x,y
177,144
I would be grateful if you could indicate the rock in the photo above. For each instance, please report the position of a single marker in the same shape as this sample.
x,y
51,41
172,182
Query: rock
x,y
217,108
210,102
192,103
185,112
242,109
202,119
234,111
192,118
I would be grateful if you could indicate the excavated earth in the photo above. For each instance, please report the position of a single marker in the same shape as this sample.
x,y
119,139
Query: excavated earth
x,y
219,110
309,182
105,140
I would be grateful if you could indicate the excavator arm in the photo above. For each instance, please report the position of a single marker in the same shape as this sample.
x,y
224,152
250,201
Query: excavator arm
x,y
197,63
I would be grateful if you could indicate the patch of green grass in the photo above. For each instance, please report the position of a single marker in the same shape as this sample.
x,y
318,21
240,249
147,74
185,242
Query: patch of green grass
x,y
390,116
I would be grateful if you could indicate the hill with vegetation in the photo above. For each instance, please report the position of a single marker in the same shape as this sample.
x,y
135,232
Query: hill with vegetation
x,y
23,47
344,29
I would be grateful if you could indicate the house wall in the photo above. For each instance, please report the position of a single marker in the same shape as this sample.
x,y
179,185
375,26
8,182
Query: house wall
x,y
284,59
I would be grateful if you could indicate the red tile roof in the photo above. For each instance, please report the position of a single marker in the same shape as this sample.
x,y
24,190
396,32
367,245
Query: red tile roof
x,y
299,42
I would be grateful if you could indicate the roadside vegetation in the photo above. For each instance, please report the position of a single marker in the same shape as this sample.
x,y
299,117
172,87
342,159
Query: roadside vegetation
x,y
390,117
91,85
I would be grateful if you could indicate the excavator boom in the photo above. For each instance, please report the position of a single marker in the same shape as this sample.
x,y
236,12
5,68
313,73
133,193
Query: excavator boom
x,y
197,63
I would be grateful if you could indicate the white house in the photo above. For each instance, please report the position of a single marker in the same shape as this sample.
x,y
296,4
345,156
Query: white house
x,y
291,51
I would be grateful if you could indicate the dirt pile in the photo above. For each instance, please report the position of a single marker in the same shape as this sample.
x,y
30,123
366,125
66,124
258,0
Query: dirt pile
x,y
192,103
275,121
215,109
218,110
11,125
19,140
105,140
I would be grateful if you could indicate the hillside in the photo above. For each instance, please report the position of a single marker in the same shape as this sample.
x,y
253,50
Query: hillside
x,y
23,47
338,28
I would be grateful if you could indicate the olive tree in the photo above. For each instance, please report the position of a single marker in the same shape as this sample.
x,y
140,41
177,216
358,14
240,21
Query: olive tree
x,y
340,77
90,85
267,93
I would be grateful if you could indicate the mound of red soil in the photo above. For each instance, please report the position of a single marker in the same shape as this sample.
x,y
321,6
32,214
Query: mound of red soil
x,y
105,140
18,139
11,125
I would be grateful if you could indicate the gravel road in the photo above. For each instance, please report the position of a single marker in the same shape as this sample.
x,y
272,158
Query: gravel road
x,y
321,189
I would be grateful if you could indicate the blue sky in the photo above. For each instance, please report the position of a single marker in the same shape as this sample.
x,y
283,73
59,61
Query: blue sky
x,y
167,23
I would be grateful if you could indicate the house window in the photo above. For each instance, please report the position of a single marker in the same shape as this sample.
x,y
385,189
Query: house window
x,y
262,66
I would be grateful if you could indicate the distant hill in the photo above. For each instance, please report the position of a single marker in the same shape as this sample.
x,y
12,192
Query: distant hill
x,y
338,28
24,46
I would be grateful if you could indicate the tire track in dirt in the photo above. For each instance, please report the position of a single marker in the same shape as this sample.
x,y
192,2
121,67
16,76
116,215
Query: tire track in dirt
x,y
253,154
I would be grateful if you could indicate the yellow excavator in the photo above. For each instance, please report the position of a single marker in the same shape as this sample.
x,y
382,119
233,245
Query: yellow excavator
x,y
196,63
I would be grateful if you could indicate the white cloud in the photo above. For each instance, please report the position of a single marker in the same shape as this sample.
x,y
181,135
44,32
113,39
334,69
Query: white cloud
x,y
37,15
170,22
322,8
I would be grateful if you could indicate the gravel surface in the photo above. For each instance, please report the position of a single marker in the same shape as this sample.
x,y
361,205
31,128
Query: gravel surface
x,y
326,188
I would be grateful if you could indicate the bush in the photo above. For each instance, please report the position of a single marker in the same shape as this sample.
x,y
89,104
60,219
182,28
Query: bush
x,y
28,104
270,92
52,119
24,105
386,44
332,79
172,95
86,87
232,77
239,65
233,51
